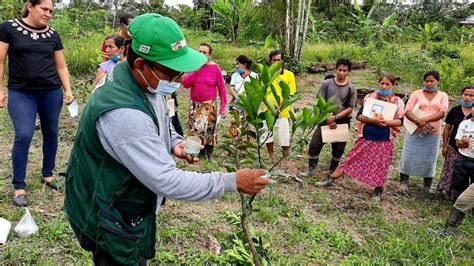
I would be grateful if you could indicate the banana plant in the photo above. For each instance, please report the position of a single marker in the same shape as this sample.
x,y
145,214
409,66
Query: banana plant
x,y
233,12
244,141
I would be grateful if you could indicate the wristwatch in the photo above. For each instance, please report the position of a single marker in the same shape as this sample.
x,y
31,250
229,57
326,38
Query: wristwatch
x,y
336,117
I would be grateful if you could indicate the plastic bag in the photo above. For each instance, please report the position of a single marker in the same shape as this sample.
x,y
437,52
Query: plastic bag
x,y
4,230
26,226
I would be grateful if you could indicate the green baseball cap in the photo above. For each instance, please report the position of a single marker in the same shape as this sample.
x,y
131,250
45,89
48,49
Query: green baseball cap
x,y
159,39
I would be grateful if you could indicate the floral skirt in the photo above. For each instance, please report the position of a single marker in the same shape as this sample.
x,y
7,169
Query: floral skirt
x,y
369,162
444,184
202,122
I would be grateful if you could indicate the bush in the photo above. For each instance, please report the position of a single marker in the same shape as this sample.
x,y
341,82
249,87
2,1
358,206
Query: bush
x,y
453,77
443,50
409,64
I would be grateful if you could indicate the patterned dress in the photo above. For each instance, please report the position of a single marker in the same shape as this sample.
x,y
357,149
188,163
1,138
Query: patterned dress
x,y
369,160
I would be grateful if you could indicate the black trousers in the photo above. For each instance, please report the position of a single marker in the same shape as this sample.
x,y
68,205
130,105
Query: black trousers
x,y
463,175
100,257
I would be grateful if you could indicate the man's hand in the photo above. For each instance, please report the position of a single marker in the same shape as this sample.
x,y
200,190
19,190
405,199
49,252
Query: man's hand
x,y
250,181
179,152
331,120
333,125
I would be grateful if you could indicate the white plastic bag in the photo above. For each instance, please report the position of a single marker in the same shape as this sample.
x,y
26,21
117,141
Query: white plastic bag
x,y
4,230
26,226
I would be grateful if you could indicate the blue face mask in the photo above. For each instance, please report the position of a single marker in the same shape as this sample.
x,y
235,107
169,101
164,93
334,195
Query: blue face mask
x,y
384,93
240,71
167,88
433,89
164,87
115,58
464,104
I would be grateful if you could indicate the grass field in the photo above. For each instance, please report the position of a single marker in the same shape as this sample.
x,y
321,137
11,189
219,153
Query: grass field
x,y
301,223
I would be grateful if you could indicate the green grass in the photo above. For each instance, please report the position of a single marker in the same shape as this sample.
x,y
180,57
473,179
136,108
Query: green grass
x,y
302,224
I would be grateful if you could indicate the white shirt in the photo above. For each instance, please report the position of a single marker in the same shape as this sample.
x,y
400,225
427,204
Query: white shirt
x,y
238,81
466,129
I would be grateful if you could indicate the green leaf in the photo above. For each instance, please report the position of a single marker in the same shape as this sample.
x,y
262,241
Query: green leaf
x,y
228,149
285,89
291,101
268,41
275,94
390,20
270,119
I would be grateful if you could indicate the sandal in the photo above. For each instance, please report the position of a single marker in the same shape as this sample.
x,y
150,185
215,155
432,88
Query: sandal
x,y
20,200
51,184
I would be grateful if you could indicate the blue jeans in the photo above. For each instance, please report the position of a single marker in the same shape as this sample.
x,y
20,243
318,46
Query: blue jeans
x,y
23,107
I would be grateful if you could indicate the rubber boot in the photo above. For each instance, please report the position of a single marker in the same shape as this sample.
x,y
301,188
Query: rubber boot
x,y
377,194
325,182
312,163
404,181
333,165
209,153
427,184
451,228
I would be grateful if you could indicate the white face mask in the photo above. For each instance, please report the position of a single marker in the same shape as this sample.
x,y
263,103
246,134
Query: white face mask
x,y
164,87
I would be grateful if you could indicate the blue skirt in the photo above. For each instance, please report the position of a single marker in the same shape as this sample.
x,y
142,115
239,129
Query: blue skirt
x,y
419,155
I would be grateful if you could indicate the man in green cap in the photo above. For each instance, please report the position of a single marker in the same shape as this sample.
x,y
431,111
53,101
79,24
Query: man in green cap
x,y
121,166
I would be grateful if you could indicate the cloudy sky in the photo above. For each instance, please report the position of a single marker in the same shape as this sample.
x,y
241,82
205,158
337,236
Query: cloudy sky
x,y
175,2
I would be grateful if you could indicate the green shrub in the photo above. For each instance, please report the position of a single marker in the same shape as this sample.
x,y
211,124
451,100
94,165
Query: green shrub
x,y
442,50
453,77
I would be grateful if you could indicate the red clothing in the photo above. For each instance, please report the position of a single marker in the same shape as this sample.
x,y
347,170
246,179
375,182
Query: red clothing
x,y
205,83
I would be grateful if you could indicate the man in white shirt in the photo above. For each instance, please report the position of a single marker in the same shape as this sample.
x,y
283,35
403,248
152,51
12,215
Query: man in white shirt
x,y
463,172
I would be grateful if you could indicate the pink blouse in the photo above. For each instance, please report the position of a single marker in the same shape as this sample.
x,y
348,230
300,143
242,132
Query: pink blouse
x,y
437,104
205,83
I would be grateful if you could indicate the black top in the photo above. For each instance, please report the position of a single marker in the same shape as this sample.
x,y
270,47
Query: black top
x,y
455,117
374,132
31,55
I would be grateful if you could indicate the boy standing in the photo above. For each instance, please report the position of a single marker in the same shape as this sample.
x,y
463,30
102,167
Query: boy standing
x,y
345,95
463,170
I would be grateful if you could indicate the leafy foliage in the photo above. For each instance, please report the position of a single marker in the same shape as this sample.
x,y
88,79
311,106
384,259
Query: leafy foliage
x,y
234,12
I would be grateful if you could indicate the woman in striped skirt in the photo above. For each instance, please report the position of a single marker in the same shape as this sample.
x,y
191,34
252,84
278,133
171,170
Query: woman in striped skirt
x,y
420,149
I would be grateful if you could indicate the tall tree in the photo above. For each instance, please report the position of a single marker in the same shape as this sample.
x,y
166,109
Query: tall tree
x,y
296,26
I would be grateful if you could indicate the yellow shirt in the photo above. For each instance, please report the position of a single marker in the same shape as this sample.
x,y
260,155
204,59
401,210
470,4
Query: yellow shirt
x,y
289,78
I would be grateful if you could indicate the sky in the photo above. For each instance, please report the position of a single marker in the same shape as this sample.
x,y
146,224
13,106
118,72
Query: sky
x,y
175,2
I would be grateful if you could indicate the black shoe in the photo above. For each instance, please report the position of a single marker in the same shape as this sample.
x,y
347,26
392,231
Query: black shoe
x,y
51,184
20,201
377,194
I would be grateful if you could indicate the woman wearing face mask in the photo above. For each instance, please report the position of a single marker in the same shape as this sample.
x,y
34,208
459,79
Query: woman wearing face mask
x,y
243,74
372,154
205,84
114,46
420,149
455,116
37,76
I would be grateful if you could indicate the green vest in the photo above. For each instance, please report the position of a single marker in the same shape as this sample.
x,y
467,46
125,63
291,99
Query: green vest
x,y
103,199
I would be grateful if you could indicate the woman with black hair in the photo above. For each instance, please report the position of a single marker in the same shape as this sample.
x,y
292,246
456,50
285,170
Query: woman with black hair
x,y
115,48
37,76
243,74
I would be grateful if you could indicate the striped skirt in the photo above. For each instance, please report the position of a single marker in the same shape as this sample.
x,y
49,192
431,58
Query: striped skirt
x,y
419,155
369,162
